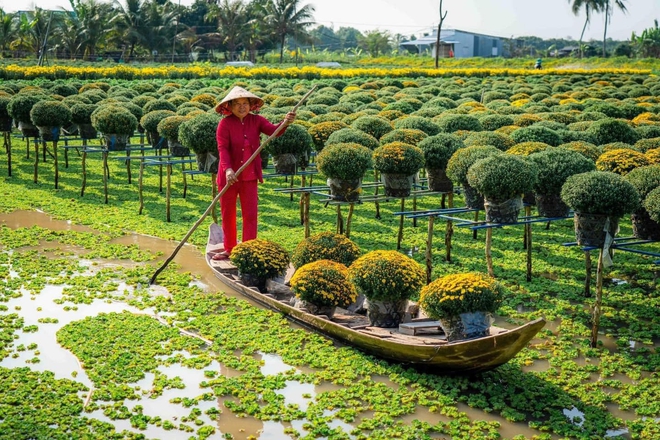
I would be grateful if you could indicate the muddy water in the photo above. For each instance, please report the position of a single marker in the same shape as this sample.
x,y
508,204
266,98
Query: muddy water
x,y
64,365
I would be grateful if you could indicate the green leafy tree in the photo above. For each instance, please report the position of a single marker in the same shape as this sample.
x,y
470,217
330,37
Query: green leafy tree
x,y
288,18
8,29
647,44
609,10
231,17
590,7
376,42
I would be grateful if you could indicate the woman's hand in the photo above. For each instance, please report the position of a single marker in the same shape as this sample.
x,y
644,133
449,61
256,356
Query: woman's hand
x,y
231,176
289,118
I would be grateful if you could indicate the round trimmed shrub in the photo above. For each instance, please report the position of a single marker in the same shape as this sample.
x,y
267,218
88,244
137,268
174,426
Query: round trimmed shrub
x,y
653,156
168,127
449,123
344,161
419,123
398,158
386,276
645,145
555,165
527,148
199,134
652,204
325,246
50,114
295,140
493,122
324,283
502,177
111,119
260,258
612,130
158,104
621,161
536,133
321,132
588,150
352,135
20,105
439,149
461,161
406,135
82,113
644,179
151,120
497,140
601,193
373,125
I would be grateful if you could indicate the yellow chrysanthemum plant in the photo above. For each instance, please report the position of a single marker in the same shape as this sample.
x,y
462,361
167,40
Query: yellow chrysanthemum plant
x,y
388,279
324,283
261,259
463,303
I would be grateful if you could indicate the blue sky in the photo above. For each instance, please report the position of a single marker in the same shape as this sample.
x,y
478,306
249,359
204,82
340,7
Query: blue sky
x,y
505,18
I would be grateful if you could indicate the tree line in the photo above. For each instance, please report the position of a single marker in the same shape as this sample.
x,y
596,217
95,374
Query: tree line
x,y
230,30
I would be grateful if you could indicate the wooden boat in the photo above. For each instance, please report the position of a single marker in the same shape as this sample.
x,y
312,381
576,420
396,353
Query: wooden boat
x,y
426,346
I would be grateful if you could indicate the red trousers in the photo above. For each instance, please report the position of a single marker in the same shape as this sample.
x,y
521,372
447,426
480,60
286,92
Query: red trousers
x,y
246,191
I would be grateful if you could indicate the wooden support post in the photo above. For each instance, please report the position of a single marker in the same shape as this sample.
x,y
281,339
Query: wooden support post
x,y
595,318
429,249
442,201
128,165
160,178
302,201
43,151
400,236
66,153
528,212
185,181
36,161
84,172
105,175
291,186
376,179
587,279
7,137
214,186
349,218
414,209
449,232
489,257
57,171
528,240
340,220
168,192
27,147
306,213
140,180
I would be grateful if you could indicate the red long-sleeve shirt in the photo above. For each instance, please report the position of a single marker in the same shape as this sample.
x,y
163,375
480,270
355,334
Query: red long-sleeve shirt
x,y
232,135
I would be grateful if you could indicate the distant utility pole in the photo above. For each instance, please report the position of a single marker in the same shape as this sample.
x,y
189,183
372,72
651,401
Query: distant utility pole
x,y
437,37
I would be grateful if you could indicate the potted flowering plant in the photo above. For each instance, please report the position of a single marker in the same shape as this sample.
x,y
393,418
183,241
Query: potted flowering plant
x,y
621,161
325,246
599,199
258,260
149,122
81,115
344,165
198,134
19,108
321,131
290,149
652,204
462,303
398,163
168,128
502,179
5,119
645,180
116,124
388,279
50,117
322,286
437,151
459,164
554,166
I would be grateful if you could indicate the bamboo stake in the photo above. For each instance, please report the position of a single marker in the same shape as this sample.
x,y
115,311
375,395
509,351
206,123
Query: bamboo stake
x,y
348,219
599,301
587,280
400,236
429,248
450,229
217,197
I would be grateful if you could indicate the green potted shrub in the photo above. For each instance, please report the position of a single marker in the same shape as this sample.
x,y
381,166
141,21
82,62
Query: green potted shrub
x,y
352,135
344,165
19,108
388,279
459,164
373,125
463,303
502,180
621,161
644,179
535,133
499,140
149,122
398,163
6,121
199,134
554,166
322,286
437,151
320,132
612,130
116,124
258,260
325,246
290,149
412,136
588,150
599,199
81,115
168,128
652,204
50,117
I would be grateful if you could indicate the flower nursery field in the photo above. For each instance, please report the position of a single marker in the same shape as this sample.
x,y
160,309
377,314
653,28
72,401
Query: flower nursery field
x,y
89,350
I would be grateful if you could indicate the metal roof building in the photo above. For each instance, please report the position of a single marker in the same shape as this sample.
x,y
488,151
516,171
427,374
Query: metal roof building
x,y
460,44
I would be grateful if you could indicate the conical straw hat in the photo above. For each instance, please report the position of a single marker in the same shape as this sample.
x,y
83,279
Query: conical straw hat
x,y
235,93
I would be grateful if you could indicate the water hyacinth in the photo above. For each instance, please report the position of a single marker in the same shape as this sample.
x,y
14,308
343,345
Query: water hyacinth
x,y
459,293
324,283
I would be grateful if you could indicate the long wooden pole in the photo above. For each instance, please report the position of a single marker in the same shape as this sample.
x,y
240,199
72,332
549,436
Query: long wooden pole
x,y
224,190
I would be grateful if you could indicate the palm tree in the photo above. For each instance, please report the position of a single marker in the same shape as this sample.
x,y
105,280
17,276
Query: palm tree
x,y
161,22
94,23
590,6
286,17
232,20
130,23
609,9
8,29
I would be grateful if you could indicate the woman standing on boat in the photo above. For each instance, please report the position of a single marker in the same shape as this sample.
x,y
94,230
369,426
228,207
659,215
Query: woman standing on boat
x,y
238,137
